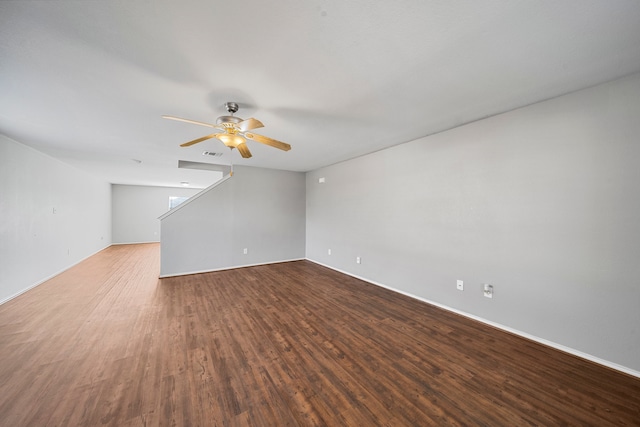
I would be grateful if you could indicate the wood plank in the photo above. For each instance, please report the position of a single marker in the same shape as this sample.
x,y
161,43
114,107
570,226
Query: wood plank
x,y
291,344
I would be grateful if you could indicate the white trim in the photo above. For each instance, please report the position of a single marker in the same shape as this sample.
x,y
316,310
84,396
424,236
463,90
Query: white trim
x,y
164,276
40,282
192,198
543,341
135,243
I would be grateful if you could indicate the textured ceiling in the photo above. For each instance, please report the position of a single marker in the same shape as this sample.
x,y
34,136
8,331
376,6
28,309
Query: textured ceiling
x,y
88,81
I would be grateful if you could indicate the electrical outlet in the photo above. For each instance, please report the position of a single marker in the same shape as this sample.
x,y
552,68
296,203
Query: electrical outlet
x,y
487,290
328,251
358,260
460,285
321,180
245,251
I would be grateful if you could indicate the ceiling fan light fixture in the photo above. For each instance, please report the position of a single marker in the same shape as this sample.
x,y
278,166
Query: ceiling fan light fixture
x,y
231,140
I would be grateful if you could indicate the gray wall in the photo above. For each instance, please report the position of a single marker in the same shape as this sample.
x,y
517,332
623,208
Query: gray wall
x,y
51,217
259,209
542,202
136,208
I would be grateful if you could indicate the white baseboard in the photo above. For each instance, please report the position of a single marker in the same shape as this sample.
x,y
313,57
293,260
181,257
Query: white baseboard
x,y
40,282
543,341
164,276
134,243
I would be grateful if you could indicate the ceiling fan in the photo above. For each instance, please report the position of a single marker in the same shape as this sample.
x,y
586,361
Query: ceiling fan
x,y
235,132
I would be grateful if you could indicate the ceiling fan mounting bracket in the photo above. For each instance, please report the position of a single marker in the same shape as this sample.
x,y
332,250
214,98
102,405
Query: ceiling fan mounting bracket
x,y
231,107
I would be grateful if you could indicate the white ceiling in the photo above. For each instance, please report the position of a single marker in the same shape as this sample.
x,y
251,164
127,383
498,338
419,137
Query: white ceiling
x,y
87,81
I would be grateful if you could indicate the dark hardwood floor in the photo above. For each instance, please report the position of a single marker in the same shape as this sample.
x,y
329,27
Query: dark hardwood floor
x,y
292,344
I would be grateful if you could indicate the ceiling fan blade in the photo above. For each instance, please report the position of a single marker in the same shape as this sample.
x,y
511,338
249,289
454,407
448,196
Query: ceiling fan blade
x,y
244,150
268,141
195,141
195,122
249,124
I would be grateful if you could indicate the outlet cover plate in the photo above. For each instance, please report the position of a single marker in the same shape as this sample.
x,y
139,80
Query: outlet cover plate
x,y
487,290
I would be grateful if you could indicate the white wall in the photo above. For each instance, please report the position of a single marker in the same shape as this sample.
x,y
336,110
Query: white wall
x,y
136,208
542,202
51,217
259,209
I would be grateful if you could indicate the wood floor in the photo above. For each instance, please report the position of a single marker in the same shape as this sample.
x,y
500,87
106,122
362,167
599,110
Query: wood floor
x,y
292,344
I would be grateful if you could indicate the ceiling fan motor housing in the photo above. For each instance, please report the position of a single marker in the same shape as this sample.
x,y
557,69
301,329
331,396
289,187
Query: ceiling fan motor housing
x,y
222,120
